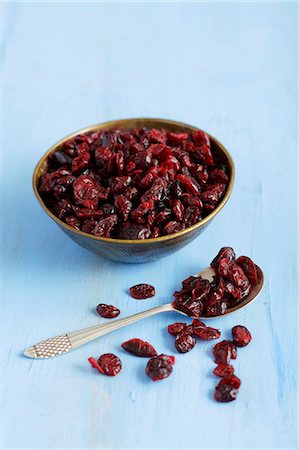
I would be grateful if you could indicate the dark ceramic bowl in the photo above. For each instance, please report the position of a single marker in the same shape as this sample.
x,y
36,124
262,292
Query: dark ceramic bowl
x,y
137,251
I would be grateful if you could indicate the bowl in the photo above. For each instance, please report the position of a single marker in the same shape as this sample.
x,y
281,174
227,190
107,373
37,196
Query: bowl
x,y
137,251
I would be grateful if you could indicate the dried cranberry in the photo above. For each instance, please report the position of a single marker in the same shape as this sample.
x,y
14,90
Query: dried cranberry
x,y
249,268
87,191
160,367
225,393
207,333
196,323
142,291
189,183
176,328
184,342
241,336
232,380
80,163
218,309
222,352
73,222
218,176
224,252
108,311
139,348
124,206
107,364
234,273
134,231
223,370
217,292
103,227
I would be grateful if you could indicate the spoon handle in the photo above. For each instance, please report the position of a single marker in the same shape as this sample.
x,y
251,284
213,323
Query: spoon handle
x,y
59,345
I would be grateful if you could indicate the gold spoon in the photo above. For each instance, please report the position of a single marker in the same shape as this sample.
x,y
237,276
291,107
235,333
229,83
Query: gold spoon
x,y
69,341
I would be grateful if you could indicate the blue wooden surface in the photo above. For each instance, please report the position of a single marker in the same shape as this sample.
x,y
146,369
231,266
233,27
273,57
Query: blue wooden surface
x,y
228,68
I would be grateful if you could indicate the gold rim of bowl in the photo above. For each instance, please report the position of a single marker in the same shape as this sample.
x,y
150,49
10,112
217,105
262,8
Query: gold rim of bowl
x,y
126,124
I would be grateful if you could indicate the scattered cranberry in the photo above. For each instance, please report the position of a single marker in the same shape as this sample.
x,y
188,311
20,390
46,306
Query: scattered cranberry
x,y
107,364
160,367
135,184
225,393
241,336
232,380
142,291
108,311
196,323
222,352
184,342
207,333
223,370
176,328
139,348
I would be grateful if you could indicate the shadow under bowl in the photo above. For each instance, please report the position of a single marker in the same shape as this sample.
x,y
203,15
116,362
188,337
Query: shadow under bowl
x,y
137,251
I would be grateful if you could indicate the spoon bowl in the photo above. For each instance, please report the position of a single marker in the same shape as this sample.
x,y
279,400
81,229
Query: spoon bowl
x,y
64,343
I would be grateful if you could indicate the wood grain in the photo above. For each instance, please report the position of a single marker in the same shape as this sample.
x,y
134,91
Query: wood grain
x,y
229,68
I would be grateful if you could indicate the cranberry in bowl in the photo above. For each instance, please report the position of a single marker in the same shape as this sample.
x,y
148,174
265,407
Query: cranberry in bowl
x,y
134,190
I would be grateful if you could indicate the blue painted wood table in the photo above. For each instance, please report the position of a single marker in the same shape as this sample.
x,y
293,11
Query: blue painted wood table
x,y
230,68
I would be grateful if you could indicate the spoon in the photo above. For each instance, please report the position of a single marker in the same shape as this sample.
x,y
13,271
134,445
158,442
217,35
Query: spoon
x,y
69,341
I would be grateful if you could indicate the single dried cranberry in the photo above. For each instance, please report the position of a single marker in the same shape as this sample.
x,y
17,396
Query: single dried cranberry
x,y
73,222
107,364
103,227
222,352
134,231
124,206
218,176
231,380
196,323
87,191
142,291
119,184
80,163
160,367
224,252
189,183
192,308
176,137
184,342
108,311
223,370
225,393
218,309
173,227
178,209
241,336
216,294
207,333
249,268
233,290
176,328
139,348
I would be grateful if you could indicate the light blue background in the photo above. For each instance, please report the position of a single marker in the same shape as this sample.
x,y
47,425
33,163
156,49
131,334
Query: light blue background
x,y
228,68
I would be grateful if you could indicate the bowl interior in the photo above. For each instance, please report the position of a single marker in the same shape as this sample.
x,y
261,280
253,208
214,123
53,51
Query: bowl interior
x,y
218,149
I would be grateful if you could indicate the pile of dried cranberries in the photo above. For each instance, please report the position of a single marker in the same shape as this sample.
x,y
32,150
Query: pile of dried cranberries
x,y
233,281
134,184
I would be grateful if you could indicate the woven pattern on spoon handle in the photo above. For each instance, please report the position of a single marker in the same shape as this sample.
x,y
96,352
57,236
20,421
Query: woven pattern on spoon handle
x,y
53,347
